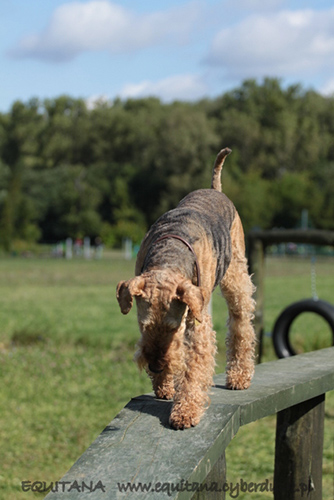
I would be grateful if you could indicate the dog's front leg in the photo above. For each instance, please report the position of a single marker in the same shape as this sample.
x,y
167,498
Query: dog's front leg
x,y
158,370
193,383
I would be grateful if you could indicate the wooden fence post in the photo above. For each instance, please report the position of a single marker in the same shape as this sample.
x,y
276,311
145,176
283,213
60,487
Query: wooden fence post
x,y
214,482
298,454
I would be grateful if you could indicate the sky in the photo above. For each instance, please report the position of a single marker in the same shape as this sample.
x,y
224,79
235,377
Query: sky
x,y
171,49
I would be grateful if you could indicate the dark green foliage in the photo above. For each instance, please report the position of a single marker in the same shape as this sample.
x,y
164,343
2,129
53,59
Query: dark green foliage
x,y
67,170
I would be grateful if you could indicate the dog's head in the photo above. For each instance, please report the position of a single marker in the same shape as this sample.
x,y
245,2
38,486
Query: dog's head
x,y
162,298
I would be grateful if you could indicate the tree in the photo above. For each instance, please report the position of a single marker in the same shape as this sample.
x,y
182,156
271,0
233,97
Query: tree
x,y
67,170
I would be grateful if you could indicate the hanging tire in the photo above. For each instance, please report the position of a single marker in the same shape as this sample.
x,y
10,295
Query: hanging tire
x,y
283,323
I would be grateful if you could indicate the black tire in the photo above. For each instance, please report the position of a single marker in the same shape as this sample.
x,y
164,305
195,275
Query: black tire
x,y
283,323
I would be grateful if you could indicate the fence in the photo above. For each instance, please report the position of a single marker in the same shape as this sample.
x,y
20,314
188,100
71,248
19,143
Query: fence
x,y
258,241
138,455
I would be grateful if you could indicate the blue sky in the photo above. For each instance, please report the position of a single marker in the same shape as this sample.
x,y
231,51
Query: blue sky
x,y
175,49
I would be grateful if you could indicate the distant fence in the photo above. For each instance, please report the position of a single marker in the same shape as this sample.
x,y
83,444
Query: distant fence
x,y
70,248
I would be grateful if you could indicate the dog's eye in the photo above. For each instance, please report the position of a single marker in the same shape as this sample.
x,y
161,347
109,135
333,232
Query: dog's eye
x,y
177,308
175,314
144,312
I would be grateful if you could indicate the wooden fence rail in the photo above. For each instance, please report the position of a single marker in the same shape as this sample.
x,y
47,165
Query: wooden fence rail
x,y
139,456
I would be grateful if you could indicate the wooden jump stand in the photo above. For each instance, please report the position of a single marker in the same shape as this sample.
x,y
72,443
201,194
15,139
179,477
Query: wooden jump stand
x,y
258,241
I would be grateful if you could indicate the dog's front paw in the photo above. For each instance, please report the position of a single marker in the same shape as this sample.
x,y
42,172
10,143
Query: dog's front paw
x,y
183,418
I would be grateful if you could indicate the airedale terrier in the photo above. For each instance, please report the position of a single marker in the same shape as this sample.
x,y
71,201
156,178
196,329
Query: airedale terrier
x,y
187,252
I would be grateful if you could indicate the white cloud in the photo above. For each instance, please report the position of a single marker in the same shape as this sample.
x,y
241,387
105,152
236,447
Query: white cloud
x,y
102,25
178,87
287,43
328,88
256,5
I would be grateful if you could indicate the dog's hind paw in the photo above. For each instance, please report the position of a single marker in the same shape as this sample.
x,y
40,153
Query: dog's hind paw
x,y
238,382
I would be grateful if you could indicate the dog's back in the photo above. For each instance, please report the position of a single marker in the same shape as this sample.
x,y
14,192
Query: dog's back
x,y
205,215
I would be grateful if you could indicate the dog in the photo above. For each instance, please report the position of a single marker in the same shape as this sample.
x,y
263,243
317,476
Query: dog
x,y
185,255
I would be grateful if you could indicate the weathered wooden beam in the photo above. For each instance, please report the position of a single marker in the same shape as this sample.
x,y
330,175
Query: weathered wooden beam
x,y
298,454
139,449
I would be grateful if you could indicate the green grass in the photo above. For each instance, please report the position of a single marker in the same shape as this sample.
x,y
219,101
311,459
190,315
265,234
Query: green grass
x,y
66,365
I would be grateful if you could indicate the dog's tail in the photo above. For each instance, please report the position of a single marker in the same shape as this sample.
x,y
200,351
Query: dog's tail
x,y
217,168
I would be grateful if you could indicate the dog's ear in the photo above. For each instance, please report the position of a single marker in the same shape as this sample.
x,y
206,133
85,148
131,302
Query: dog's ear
x,y
192,296
126,290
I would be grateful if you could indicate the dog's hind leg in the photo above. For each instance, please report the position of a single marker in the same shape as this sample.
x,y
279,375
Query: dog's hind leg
x,y
238,290
163,384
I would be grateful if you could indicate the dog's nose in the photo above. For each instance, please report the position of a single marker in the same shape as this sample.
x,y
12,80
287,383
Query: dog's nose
x,y
155,369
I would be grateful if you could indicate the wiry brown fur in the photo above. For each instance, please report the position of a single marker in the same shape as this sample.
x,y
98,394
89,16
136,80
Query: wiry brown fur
x,y
177,345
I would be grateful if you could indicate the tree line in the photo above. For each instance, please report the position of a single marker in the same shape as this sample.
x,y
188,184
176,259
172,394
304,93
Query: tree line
x,y
69,171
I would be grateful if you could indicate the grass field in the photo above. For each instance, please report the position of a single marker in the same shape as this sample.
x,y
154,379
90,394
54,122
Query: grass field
x,y
66,365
